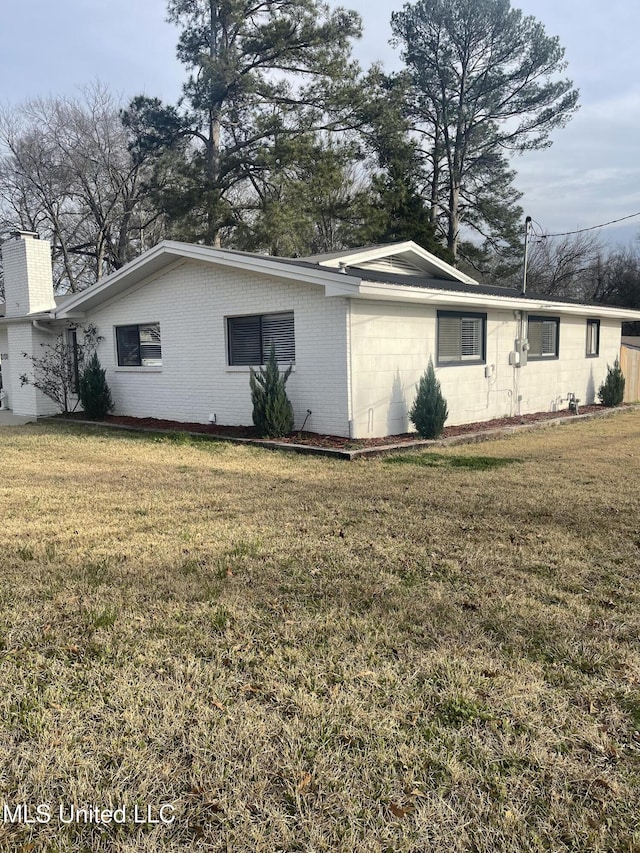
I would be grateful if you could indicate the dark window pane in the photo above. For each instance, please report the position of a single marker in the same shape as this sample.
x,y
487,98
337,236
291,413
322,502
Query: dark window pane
x,y
128,343
244,341
250,339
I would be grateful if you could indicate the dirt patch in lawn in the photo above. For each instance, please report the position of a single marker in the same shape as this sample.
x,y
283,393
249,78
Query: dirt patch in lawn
x,y
336,442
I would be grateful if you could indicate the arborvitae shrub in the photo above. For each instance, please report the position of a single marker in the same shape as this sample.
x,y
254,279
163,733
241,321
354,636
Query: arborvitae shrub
x,y
272,410
94,392
611,391
429,410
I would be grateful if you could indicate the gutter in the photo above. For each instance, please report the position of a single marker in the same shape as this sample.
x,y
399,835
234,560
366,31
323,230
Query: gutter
x,y
425,295
37,325
28,318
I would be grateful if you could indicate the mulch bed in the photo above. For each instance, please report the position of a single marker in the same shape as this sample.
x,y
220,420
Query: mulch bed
x,y
330,441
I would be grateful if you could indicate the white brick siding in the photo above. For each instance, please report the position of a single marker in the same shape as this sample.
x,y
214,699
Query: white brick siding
x,y
191,303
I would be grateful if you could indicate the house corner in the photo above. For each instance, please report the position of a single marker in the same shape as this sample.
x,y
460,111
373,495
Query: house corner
x,y
28,283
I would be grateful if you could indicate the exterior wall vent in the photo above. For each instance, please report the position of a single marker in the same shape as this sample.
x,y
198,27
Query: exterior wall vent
x,y
394,265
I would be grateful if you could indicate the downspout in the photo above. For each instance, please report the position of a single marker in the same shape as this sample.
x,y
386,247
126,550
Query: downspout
x,y
515,393
521,314
350,373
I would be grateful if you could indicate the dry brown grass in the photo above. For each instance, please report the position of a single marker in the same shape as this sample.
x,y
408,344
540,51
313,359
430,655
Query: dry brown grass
x,y
306,655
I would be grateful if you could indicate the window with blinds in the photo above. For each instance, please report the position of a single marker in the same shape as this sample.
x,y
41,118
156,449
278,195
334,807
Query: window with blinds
x,y
250,339
593,338
461,337
543,336
139,345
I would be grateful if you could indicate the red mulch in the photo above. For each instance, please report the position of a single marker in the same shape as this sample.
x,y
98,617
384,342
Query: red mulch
x,y
332,441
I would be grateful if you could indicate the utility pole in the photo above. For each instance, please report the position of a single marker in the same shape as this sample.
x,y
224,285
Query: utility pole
x,y
527,231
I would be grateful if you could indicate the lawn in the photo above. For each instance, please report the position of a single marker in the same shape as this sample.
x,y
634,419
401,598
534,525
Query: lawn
x,y
437,652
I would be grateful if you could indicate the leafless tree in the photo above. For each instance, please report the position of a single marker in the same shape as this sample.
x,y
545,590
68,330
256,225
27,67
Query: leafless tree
x,y
69,172
563,266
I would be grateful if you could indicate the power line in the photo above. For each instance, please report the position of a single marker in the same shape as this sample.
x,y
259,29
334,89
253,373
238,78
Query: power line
x,y
591,228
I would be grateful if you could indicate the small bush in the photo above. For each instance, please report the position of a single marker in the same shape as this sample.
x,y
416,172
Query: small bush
x,y
272,410
429,410
94,392
611,391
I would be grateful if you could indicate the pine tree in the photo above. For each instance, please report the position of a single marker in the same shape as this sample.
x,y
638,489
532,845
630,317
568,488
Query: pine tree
x,y
257,72
272,410
484,81
94,392
429,411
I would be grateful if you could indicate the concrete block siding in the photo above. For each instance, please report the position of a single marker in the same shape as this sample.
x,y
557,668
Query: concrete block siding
x,y
391,344
191,302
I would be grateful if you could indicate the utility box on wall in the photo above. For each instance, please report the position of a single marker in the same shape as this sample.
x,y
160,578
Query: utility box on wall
x,y
518,357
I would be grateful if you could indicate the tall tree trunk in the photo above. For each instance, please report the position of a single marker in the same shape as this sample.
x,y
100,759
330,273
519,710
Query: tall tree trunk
x,y
213,170
454,218
434,201
213,147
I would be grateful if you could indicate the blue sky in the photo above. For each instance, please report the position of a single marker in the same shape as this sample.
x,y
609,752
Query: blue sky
x,y
591,174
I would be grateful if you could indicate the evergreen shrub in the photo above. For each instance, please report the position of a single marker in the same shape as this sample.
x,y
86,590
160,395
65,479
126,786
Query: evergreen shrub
x,y
93,391
272,409
611,391
429,411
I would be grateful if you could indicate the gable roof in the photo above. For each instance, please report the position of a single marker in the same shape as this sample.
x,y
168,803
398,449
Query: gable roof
x,y
353,273
170,253
405,258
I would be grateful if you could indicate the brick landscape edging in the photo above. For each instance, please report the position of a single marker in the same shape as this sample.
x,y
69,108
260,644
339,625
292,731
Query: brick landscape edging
x,y
361,452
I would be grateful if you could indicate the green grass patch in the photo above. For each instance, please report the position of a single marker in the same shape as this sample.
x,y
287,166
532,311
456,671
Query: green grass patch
x,y
441,460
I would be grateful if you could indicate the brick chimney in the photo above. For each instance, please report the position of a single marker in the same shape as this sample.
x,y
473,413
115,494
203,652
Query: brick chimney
x,y
28,290
28,280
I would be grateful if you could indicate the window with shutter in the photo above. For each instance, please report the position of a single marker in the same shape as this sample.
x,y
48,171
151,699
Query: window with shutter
x,y
139,346
461,337
543,336
250,339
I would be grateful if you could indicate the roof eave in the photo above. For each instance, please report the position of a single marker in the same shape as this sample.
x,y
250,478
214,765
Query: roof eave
x,y
400,293
169,253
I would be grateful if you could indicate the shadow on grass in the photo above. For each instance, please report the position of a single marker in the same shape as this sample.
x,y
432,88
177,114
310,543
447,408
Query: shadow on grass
x,y
439,460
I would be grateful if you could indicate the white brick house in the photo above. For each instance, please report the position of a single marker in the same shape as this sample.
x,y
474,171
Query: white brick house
x,y
182,324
